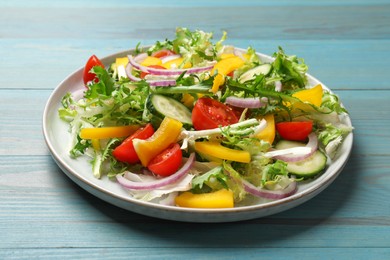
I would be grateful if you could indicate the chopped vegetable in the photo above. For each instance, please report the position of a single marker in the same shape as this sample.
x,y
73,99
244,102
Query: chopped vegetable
x,y
294,131
166,134
167,162
216,150
108,132
218,199
223,68
87,74
125,152
312,95
268,133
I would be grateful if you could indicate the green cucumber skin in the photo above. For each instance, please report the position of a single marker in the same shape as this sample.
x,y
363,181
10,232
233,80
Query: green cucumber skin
x,y
250,74
307,168
173,109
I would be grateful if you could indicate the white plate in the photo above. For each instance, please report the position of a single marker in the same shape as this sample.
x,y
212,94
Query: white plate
x,y
79,170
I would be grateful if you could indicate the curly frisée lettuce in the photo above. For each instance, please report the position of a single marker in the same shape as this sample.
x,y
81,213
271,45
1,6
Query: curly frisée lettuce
x,y
121,99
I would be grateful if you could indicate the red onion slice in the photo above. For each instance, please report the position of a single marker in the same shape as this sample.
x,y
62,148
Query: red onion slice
x,y
270,194
133,185
165,59
312,144
250,102
155,83
278,86
165,72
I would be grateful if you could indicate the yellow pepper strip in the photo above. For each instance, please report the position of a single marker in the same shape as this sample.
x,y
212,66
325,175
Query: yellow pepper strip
x,y
312,96
108,132
121,61
120,66
215,149
188,100
224,67
227,55
217,199
166,134
96,144
176,63
150,60
268,133
211,158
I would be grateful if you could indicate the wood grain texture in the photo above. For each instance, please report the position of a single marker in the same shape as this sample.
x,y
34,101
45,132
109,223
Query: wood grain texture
x,y
338,63
44,215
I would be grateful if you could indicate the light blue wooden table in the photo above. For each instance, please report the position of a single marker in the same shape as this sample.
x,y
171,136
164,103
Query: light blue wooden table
x,y
43,214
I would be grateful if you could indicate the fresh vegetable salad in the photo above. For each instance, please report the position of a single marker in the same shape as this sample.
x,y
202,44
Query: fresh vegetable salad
x,y
193,123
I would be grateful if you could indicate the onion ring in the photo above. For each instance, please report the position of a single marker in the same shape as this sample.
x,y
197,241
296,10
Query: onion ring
x,y
133,185
165,72
155,83
270,194
312,144
251,102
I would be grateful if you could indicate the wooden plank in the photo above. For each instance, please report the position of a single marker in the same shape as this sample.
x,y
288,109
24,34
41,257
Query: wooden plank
x,y
338,63
350,200
206,253
327,22
203,253
176,3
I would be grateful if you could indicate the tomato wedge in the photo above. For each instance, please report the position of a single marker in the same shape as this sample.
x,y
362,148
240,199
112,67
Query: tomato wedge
x,y
143,74
125,151
162,53
92,62
294,131
209,113
167,162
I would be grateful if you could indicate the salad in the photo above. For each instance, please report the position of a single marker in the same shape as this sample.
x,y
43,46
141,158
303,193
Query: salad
x,y
194,123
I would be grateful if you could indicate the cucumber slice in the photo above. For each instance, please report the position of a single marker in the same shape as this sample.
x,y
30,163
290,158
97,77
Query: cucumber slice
x,y
307,168
163,106
251,74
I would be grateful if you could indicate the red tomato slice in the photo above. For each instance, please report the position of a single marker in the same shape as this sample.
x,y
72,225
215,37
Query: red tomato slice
x,y
125,151
294,131
92,62
209,113
167,162
162,53
143,74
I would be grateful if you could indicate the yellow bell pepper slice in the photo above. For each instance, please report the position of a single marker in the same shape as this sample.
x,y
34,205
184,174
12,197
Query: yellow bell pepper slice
x,y
217,199
150,60
268,133
312,95
176,63
188,100
224,67
121,61
226,56
108,132
166,134
95,144
215,149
